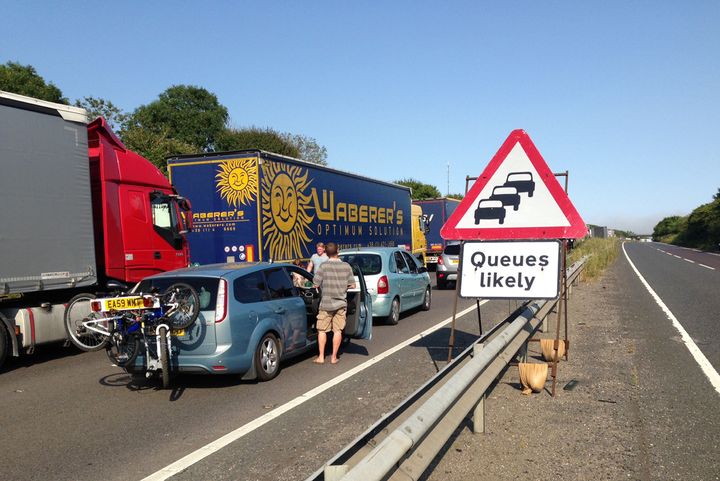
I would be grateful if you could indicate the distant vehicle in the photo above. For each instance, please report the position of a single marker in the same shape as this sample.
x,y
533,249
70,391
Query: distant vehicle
x,y
490,209
522,181
396,280
252,317
436,211
447,267
506,195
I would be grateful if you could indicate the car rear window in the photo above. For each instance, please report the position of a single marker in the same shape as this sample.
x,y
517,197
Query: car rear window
x,y
369,264
206,287
452,250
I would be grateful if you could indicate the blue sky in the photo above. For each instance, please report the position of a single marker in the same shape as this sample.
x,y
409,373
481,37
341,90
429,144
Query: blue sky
x,y
623,94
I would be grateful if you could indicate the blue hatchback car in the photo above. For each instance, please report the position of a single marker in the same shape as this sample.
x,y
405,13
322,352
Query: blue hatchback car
x,y
395,279
252,317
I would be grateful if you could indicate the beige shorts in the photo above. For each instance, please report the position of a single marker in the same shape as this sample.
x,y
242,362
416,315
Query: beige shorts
x,y
331,320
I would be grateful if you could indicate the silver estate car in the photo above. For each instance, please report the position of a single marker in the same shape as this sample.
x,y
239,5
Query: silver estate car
x,y
395,280
447,265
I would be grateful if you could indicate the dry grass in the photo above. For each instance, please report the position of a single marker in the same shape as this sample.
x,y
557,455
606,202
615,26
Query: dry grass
x,y
602,253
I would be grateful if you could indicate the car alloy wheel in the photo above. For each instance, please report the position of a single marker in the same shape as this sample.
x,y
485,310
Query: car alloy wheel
x,y
426,300
394,316
267,358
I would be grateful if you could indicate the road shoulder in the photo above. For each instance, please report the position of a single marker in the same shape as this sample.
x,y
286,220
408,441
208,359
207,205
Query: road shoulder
x,y
632,415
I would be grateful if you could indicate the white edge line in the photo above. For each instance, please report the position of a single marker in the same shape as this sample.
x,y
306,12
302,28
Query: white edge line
x,y
706,267
692,262
700,358
218,444
677,256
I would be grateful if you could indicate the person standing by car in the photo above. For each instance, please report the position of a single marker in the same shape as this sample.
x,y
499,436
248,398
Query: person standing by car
x,y
333,278
316,260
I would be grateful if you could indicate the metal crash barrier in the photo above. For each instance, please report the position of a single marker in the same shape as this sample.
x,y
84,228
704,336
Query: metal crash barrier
x,y
404,442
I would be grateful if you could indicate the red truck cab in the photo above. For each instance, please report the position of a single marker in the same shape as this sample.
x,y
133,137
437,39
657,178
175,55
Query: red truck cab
x,y
140,231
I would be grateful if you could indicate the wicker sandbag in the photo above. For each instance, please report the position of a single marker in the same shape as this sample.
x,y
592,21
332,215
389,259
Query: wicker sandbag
x,y
532,376
548,350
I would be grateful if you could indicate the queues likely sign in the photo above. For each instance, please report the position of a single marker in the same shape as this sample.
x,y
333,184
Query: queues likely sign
x,y
510,269
516,197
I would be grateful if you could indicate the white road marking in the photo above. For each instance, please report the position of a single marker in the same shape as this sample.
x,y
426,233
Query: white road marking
x,y
677,256
706,267
696,353
692,262
213,447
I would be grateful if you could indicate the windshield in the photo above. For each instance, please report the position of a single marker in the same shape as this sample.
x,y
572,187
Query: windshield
x,y
369,264
452,249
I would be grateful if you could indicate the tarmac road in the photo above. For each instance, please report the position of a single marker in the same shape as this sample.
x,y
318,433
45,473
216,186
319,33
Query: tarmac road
x,y
73,416
642,408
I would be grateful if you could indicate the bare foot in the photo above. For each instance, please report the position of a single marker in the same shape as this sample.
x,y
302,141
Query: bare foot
x,y
317,360
334,361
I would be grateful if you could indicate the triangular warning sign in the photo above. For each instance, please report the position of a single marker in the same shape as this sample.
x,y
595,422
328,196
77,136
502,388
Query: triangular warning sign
x,y
516,197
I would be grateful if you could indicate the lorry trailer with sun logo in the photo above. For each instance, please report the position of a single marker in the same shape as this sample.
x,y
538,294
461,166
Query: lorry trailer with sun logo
x,y
253,205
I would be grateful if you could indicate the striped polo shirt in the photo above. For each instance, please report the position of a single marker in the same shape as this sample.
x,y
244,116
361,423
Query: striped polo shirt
x,y
333,278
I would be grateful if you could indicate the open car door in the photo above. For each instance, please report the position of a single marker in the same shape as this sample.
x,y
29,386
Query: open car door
x,y
359,308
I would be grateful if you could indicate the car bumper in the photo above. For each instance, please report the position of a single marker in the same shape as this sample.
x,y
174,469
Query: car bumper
x,y
225,360
446,276
381,305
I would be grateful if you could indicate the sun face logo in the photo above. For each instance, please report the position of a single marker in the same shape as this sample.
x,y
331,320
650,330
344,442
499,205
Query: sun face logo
x,y
237,181
285,205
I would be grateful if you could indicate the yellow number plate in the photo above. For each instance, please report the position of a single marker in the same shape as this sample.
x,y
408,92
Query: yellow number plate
x,y
123,303
454,261
173,332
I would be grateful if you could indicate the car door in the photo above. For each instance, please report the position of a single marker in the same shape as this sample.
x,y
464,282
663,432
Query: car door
x,y
287,307
403,280
416,280
359,309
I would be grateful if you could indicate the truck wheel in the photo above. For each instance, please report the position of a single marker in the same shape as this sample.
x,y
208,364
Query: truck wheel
x,y
4,343
394,317
79,312
267,357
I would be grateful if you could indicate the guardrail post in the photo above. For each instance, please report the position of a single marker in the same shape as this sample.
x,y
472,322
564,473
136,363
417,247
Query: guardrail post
x,y
478,421
335,473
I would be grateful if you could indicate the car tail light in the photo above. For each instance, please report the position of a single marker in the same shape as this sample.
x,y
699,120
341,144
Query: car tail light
x,y
221,304
440,260
148,301
383,287
96,306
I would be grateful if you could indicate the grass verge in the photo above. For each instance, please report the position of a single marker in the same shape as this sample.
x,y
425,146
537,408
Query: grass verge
x,y
602,253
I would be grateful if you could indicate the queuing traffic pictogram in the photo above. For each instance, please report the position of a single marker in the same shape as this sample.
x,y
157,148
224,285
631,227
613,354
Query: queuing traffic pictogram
x,y
516,197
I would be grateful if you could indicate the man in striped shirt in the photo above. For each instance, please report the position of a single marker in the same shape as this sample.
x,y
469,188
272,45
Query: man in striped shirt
x,y
333,277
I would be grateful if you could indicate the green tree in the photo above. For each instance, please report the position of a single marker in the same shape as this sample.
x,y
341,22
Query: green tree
x,y
717,195
703,227
420,191
24,80
98,107
155,146
669,227
255,138
185,113
308,148
456,196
